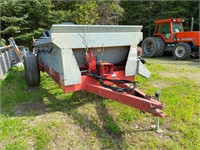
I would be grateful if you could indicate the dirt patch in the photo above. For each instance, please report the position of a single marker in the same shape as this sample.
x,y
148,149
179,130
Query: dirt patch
x,y
194,63
195,76
160,84
29,89
31,108
66,133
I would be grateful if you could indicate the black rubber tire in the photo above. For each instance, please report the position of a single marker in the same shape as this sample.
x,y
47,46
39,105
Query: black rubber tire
x,y
31,68
182,51
153,47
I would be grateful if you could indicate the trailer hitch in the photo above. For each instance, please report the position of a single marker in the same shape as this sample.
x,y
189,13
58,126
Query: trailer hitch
x,y
134,98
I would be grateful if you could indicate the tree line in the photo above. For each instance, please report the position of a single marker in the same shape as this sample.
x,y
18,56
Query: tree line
x,y
24,20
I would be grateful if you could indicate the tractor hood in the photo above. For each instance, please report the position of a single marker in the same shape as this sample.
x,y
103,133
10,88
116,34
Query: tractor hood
x,y
190,36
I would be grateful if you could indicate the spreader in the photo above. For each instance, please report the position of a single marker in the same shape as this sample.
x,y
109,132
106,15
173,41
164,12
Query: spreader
x,y
101,59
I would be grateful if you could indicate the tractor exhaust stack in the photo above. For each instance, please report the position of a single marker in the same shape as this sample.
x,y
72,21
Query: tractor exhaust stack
x,y
192,23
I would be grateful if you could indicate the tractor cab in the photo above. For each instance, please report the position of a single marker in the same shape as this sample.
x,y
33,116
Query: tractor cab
x,y
167,29
169,36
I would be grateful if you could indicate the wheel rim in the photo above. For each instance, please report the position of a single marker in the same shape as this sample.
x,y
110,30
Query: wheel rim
x,y
148,47
180,51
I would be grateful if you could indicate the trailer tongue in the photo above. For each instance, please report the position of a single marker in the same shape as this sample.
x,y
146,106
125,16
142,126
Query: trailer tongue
x,y
100,59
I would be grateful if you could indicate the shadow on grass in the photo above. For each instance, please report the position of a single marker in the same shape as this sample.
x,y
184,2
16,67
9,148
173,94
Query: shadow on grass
x,y
17,99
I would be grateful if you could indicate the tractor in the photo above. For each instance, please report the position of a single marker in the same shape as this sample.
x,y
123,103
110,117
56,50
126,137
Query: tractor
x,y
169,36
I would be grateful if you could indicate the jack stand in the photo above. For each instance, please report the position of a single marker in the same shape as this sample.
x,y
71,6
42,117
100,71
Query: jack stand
x,y
158,129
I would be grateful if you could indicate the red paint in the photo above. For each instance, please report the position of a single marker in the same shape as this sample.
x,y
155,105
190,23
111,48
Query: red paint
x,y
41,66
85,79
188,37
55,75
134,99
154,107
47,69
106,69
91,61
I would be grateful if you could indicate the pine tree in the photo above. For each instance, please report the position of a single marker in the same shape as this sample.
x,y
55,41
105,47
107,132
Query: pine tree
x,y
97,12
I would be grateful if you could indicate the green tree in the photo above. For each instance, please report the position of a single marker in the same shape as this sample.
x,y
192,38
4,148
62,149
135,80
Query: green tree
x,y
61,11
97,12
86,12
110,12
25,19
2,42
146,12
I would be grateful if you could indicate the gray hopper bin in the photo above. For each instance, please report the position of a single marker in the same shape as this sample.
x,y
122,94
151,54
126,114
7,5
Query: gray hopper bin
x,y
64,47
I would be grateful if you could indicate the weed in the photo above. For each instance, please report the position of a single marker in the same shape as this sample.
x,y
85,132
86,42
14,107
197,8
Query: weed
x,y
41,137
11,127
15,146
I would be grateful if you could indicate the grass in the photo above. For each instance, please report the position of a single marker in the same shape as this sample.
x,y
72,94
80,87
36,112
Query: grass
x,y
46,118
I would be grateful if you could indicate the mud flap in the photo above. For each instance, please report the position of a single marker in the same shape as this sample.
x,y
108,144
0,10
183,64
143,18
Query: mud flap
x,y
142,70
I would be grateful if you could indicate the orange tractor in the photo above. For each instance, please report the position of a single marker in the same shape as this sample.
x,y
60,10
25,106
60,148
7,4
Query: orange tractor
x,y
169,36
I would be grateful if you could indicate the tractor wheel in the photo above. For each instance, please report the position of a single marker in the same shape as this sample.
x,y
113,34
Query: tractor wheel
x,y
153,47
182,51
31,68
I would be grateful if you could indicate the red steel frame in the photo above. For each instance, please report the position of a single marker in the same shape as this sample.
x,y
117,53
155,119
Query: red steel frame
x,y
134,99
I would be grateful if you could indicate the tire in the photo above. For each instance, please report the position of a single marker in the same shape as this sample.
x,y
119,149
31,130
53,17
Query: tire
x,y
31,68
182,51
153,47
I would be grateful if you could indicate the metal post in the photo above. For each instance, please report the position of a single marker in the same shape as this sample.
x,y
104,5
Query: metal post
x,y
158,129
192,23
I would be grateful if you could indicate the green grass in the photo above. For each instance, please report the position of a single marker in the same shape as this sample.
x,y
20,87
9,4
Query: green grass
x,y
46,118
